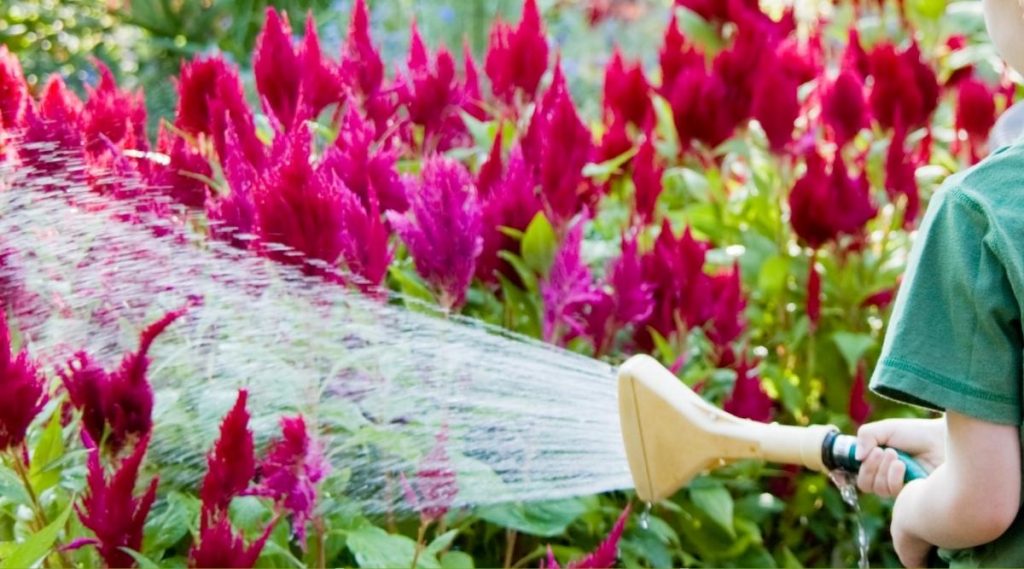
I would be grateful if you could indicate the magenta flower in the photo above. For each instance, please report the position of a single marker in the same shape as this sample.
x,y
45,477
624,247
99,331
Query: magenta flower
x,y
567,290
557,146
293,466
54,127
510,201
626,91
647,176
739,68
181,177
442,229
855,58
365,250
975,114
844,108
726,323
430,93
517,57
113,116
117,407
748,399
432,492
472,97
905,88
824,205
624,300
361,65
13,90
604,556
901,175
231,464
615,141
232,216
110,508
697,98
219,546
23,388
360,163
676,56
322,83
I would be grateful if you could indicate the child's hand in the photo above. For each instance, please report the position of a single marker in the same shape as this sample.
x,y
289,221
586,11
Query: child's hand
x,y
881,472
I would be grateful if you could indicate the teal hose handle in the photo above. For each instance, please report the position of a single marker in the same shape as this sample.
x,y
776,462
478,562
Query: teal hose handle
x,y
840,452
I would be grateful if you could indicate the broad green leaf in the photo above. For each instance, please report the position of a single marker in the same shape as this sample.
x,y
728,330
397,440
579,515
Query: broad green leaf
x,y
483,132
37,546
457,560
525,272
141,560
544,519
699,30
277,551
167,526
601,172
442,542
539,244
668,138
853,347
11,487
771,280
249,514
410,284
45,470
375,548
715,500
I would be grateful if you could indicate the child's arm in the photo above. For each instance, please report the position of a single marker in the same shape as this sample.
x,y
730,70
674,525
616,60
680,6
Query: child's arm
x,y
971,499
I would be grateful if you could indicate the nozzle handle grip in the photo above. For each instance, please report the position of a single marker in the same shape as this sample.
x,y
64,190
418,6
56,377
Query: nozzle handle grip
x,y
840,451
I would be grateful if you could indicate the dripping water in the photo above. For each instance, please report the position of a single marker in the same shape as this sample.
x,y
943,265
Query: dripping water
x,y
846,482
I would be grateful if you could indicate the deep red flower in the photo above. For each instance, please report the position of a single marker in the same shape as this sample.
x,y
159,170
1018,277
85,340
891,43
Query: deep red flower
x,y
54,128
647,175
975,114
110,508
776,105
557,146
567,290
231,463
615,141
442,228
181,176
625,299
901,175
698,101
859,408
13,90
748,399
112,116
322,82
844,107
517,57
509,201
23,389
219,546
359,161
855,58
604,556
905,87
433,490
430,93
365,249
824,205
727,322
293,466
676,56
361,65
626,91
276,68
232,216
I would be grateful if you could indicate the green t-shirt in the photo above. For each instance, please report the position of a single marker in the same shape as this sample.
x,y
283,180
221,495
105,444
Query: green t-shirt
x,y
955,340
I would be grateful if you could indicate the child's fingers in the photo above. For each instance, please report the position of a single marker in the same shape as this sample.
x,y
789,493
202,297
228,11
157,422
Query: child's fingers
x,y
894,475
882,478
869,471
872,435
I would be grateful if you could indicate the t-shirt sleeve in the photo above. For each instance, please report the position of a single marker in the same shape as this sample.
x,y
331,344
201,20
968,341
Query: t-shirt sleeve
x,y
954,340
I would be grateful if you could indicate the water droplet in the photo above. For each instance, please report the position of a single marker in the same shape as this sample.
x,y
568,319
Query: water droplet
x,y
846,483
645,517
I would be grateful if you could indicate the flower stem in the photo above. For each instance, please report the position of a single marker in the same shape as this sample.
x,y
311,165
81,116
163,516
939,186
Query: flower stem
x,y
510,547
419,542
19,468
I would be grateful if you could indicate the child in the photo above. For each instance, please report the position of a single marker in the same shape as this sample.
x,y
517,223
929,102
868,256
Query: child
x,y
955,344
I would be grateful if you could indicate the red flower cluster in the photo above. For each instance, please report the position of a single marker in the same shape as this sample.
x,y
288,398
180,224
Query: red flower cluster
x,y
517,57
23,388
434,489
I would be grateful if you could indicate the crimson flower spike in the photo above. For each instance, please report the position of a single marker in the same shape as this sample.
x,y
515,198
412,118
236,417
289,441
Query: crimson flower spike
x,y
22,391
13,90
567,291
111,510
219,546
434,489
604,556
517,57
361,65
113,116
748,399
231,463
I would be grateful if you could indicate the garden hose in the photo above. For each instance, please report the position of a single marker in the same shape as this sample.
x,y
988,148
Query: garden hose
x,y
839,451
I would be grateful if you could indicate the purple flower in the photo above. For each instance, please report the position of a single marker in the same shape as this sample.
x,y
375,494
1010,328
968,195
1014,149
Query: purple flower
x,y
517,57
442,229
231,463
293,466
432,492
23,389
110,508
567,290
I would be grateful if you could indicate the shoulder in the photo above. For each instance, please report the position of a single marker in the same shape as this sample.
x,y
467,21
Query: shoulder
x,y
994,188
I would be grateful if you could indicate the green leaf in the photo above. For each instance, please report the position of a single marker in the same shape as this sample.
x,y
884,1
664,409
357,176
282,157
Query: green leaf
x,y
853,347
662,345
699,30
521,268
601,172
544,519
141,560
170,524
457,560
714,500
410,284
376,548
442,542
274,549
483,132
771,280
45,470
539,244
249,514
668,138
11,487
38,545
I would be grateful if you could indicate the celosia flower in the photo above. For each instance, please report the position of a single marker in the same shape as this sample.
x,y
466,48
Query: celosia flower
x,y
182,176
231,463
361,65
509,201
557,146
442,229
430,94
517,57
567,290
117,406
604,556
434,489
626,91
322,82
824,205
739,68
855,59
53,137
901,175
905,87
844,107
13,89
23,389
293,466
647,176
359,162
676,56
726,323
975,114
801,60
615,141
219,546
110,508
231,216
113,116
697,100
365,251
624,300
472,97
776,105
748,399
859,408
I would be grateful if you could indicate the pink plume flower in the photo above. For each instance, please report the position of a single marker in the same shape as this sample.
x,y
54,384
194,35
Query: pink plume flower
x,y
232,216
624,300
647,175
113,116
13,90
567,290
322,83
472,96
293,466
434,489
365,249
517,57
510,201
179,178
117,407
360,162
557,146
361,65
604,556
905,88
219,546
442,228
844,108
23,389
432,96
626,91
54,128
748,399
110,508
855,58
231,463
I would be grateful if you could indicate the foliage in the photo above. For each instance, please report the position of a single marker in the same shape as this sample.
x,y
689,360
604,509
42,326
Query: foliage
x,y
742,210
